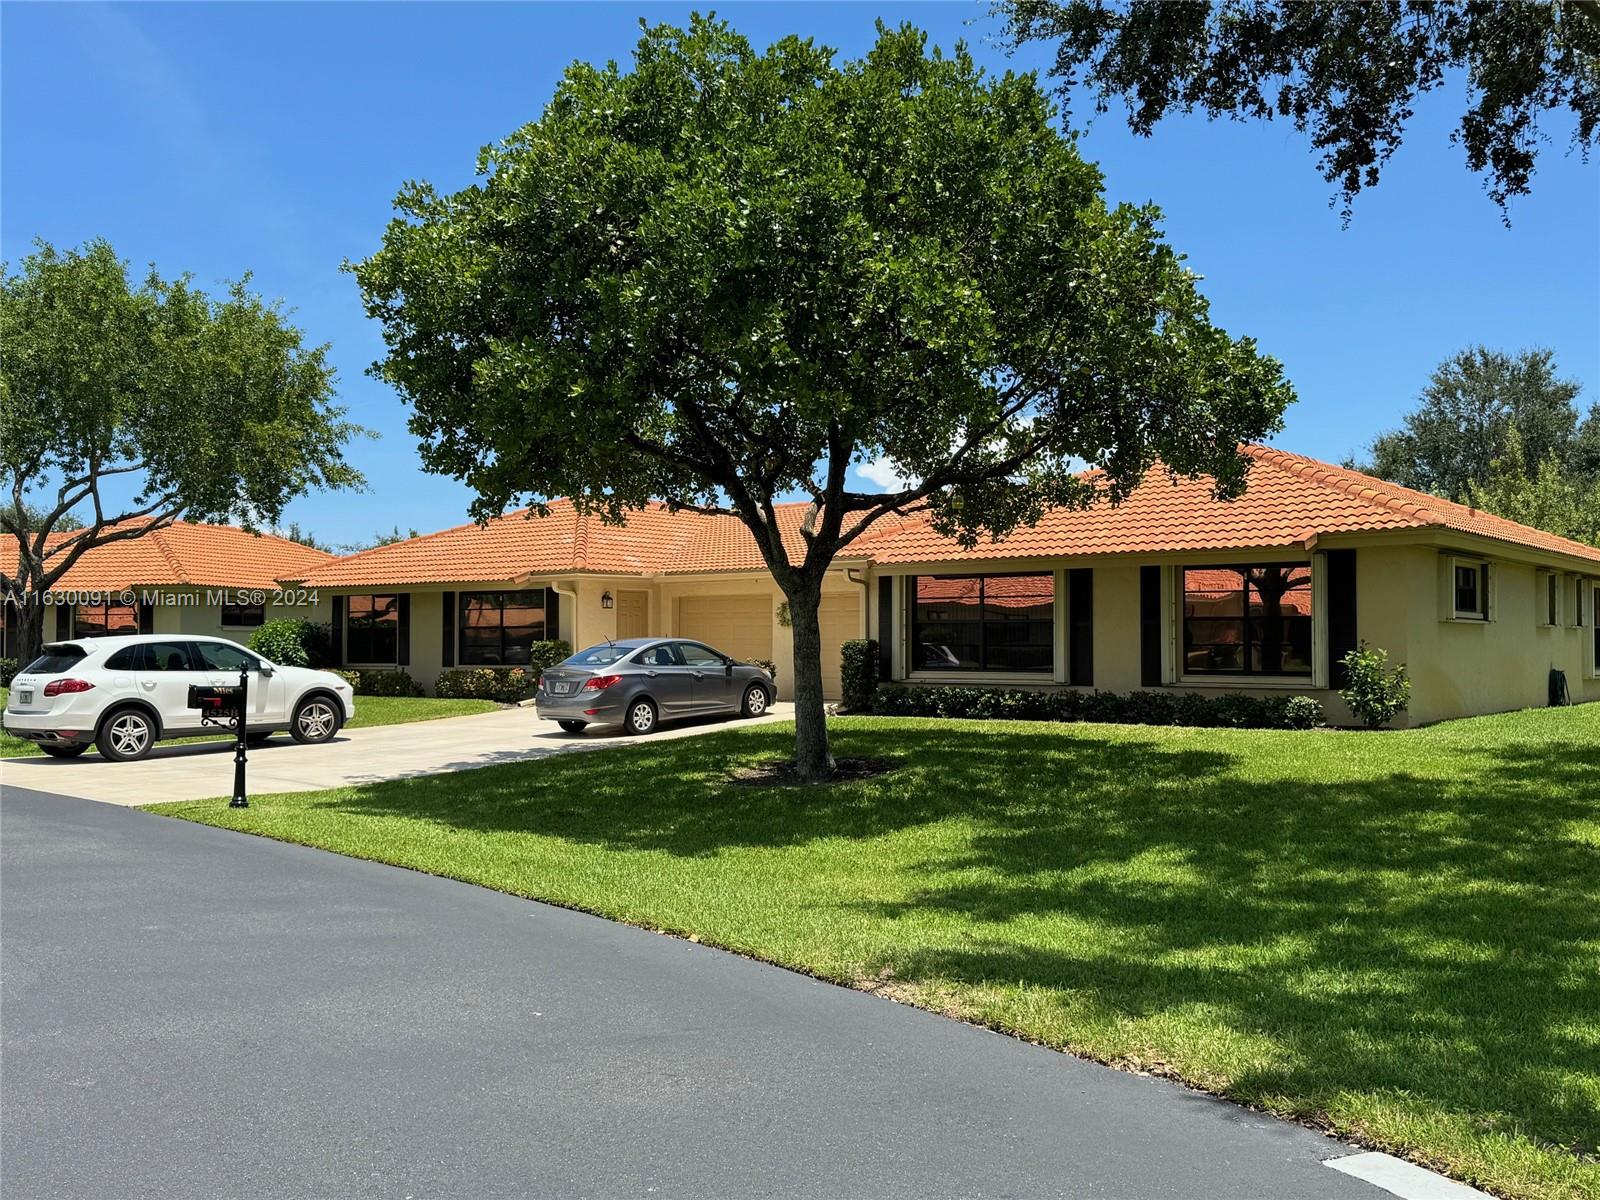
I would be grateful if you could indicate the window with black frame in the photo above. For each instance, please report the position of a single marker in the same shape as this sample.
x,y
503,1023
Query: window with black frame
x,y
101,620
983,623
1247,620
372,630
243,616
498,629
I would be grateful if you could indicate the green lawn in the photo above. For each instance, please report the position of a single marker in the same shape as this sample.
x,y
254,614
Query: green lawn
x,y
370,710
1393,935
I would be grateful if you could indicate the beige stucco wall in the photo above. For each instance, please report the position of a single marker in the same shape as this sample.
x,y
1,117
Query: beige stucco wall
x,y
206,619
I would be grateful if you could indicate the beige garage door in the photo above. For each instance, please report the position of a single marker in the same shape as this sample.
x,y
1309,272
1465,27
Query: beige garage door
x,y
840,620
736,625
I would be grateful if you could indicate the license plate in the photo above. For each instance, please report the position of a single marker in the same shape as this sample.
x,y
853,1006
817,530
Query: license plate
x,y
561,689
25,696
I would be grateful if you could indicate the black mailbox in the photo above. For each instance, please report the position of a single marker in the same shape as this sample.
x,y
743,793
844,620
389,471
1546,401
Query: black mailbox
x,y
216,704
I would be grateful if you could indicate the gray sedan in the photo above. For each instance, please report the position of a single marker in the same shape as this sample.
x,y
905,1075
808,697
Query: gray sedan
x,y
639,682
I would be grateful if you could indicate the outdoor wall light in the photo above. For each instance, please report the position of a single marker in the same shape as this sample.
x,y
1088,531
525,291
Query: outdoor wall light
x,y
605,600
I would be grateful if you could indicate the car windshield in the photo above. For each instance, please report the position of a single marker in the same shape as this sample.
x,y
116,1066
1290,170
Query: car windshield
x,y
598,656
56,659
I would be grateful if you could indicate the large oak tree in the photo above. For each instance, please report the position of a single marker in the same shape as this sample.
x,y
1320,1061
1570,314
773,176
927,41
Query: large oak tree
x,y
724,277
125,406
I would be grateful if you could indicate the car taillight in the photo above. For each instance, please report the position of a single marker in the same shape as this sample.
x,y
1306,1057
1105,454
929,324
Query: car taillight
x,y
62,687
601,682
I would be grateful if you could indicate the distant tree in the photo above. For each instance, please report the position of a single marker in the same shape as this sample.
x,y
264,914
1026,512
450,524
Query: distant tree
x,y
726,276
305,537
1348,72
21,515
199,408
1548,497
1467,412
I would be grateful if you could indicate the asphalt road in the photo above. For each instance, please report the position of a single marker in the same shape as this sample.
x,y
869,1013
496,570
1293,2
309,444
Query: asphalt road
x,y
191,1012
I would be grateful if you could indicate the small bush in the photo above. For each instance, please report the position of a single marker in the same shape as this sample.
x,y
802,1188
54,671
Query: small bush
x,y
767,665
8,669
504,684
353,678
1232,710
293,643
1375,694
382,683
858,673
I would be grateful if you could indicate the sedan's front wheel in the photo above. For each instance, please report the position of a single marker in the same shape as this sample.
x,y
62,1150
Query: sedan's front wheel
x,y
755,701
315,721
641,717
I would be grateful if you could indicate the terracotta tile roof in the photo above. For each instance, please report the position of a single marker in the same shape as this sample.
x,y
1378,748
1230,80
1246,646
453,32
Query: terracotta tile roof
x,y
1289,500
184,554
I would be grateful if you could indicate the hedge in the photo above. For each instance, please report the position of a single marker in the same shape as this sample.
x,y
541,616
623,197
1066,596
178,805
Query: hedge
x,y
8,668
294,643
382,683
1232,710
858,673
505,684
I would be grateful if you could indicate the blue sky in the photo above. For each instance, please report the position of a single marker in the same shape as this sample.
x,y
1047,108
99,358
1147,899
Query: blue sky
x,y
271,138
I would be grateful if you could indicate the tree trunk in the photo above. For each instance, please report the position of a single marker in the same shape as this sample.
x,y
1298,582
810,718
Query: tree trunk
x,y
27,639
813,761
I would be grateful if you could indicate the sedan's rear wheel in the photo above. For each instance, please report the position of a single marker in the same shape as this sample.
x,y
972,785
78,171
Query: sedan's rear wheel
x,y
69,751
315,721
641,717
573,726
755,701
127,734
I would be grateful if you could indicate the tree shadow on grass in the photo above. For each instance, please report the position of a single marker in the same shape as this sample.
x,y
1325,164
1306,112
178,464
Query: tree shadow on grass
x,y
1419,929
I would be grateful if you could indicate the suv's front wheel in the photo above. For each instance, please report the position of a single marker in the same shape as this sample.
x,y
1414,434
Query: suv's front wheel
x,y
315,721
127,734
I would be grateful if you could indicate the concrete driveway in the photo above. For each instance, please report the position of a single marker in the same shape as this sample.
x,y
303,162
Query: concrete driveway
x,y
357,756
188,1012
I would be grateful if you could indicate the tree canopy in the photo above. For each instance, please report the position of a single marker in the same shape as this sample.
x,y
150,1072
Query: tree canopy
x,y
726,276
1347,72
127,406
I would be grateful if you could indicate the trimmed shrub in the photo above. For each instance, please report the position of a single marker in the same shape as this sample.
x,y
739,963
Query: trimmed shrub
x,y
505,684
858,673
353,678
383,683
293,643
1374,693
1232,710
542,655
767,665
8,668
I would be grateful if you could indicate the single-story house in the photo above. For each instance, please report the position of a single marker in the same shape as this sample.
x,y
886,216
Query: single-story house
x,y
1171,589
181,578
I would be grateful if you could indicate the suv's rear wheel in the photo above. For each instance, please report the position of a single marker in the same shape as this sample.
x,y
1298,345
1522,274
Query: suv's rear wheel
x,y
127,734
316,720
69,751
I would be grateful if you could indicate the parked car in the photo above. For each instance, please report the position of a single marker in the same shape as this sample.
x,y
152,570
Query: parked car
x,y
125,693
639,682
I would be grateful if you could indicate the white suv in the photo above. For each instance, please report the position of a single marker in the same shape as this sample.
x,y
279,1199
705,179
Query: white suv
x,y
124,694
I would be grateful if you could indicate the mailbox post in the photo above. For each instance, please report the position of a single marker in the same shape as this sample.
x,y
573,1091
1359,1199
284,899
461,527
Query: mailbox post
x,y
227,707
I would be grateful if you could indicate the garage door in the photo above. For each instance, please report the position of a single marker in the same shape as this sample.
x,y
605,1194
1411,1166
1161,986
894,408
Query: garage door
x,y
736,625
840,620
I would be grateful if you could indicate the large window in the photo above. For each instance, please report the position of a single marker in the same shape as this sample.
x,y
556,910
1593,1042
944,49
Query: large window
x,y
372,630
98,620
499,628
983,623
1247,620
243,616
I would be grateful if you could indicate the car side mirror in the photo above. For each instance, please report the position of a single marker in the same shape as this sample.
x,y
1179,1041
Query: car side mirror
x,y
267,669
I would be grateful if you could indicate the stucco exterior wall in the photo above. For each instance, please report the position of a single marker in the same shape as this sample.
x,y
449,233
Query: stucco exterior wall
x,y
206,619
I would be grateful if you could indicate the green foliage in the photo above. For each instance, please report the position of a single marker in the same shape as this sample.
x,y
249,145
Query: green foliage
x,y
767,665
1349,74
1375,694
293,643
1232,711
505,685
727,275
202,408
8,668
392,682
1466,416
1553,498
858,673
353,678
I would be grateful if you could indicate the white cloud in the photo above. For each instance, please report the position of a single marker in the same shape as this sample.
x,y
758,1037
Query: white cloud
x,y
882,474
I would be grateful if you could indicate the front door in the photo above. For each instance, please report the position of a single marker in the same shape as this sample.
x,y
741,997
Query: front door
x,y
713,681
633,610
